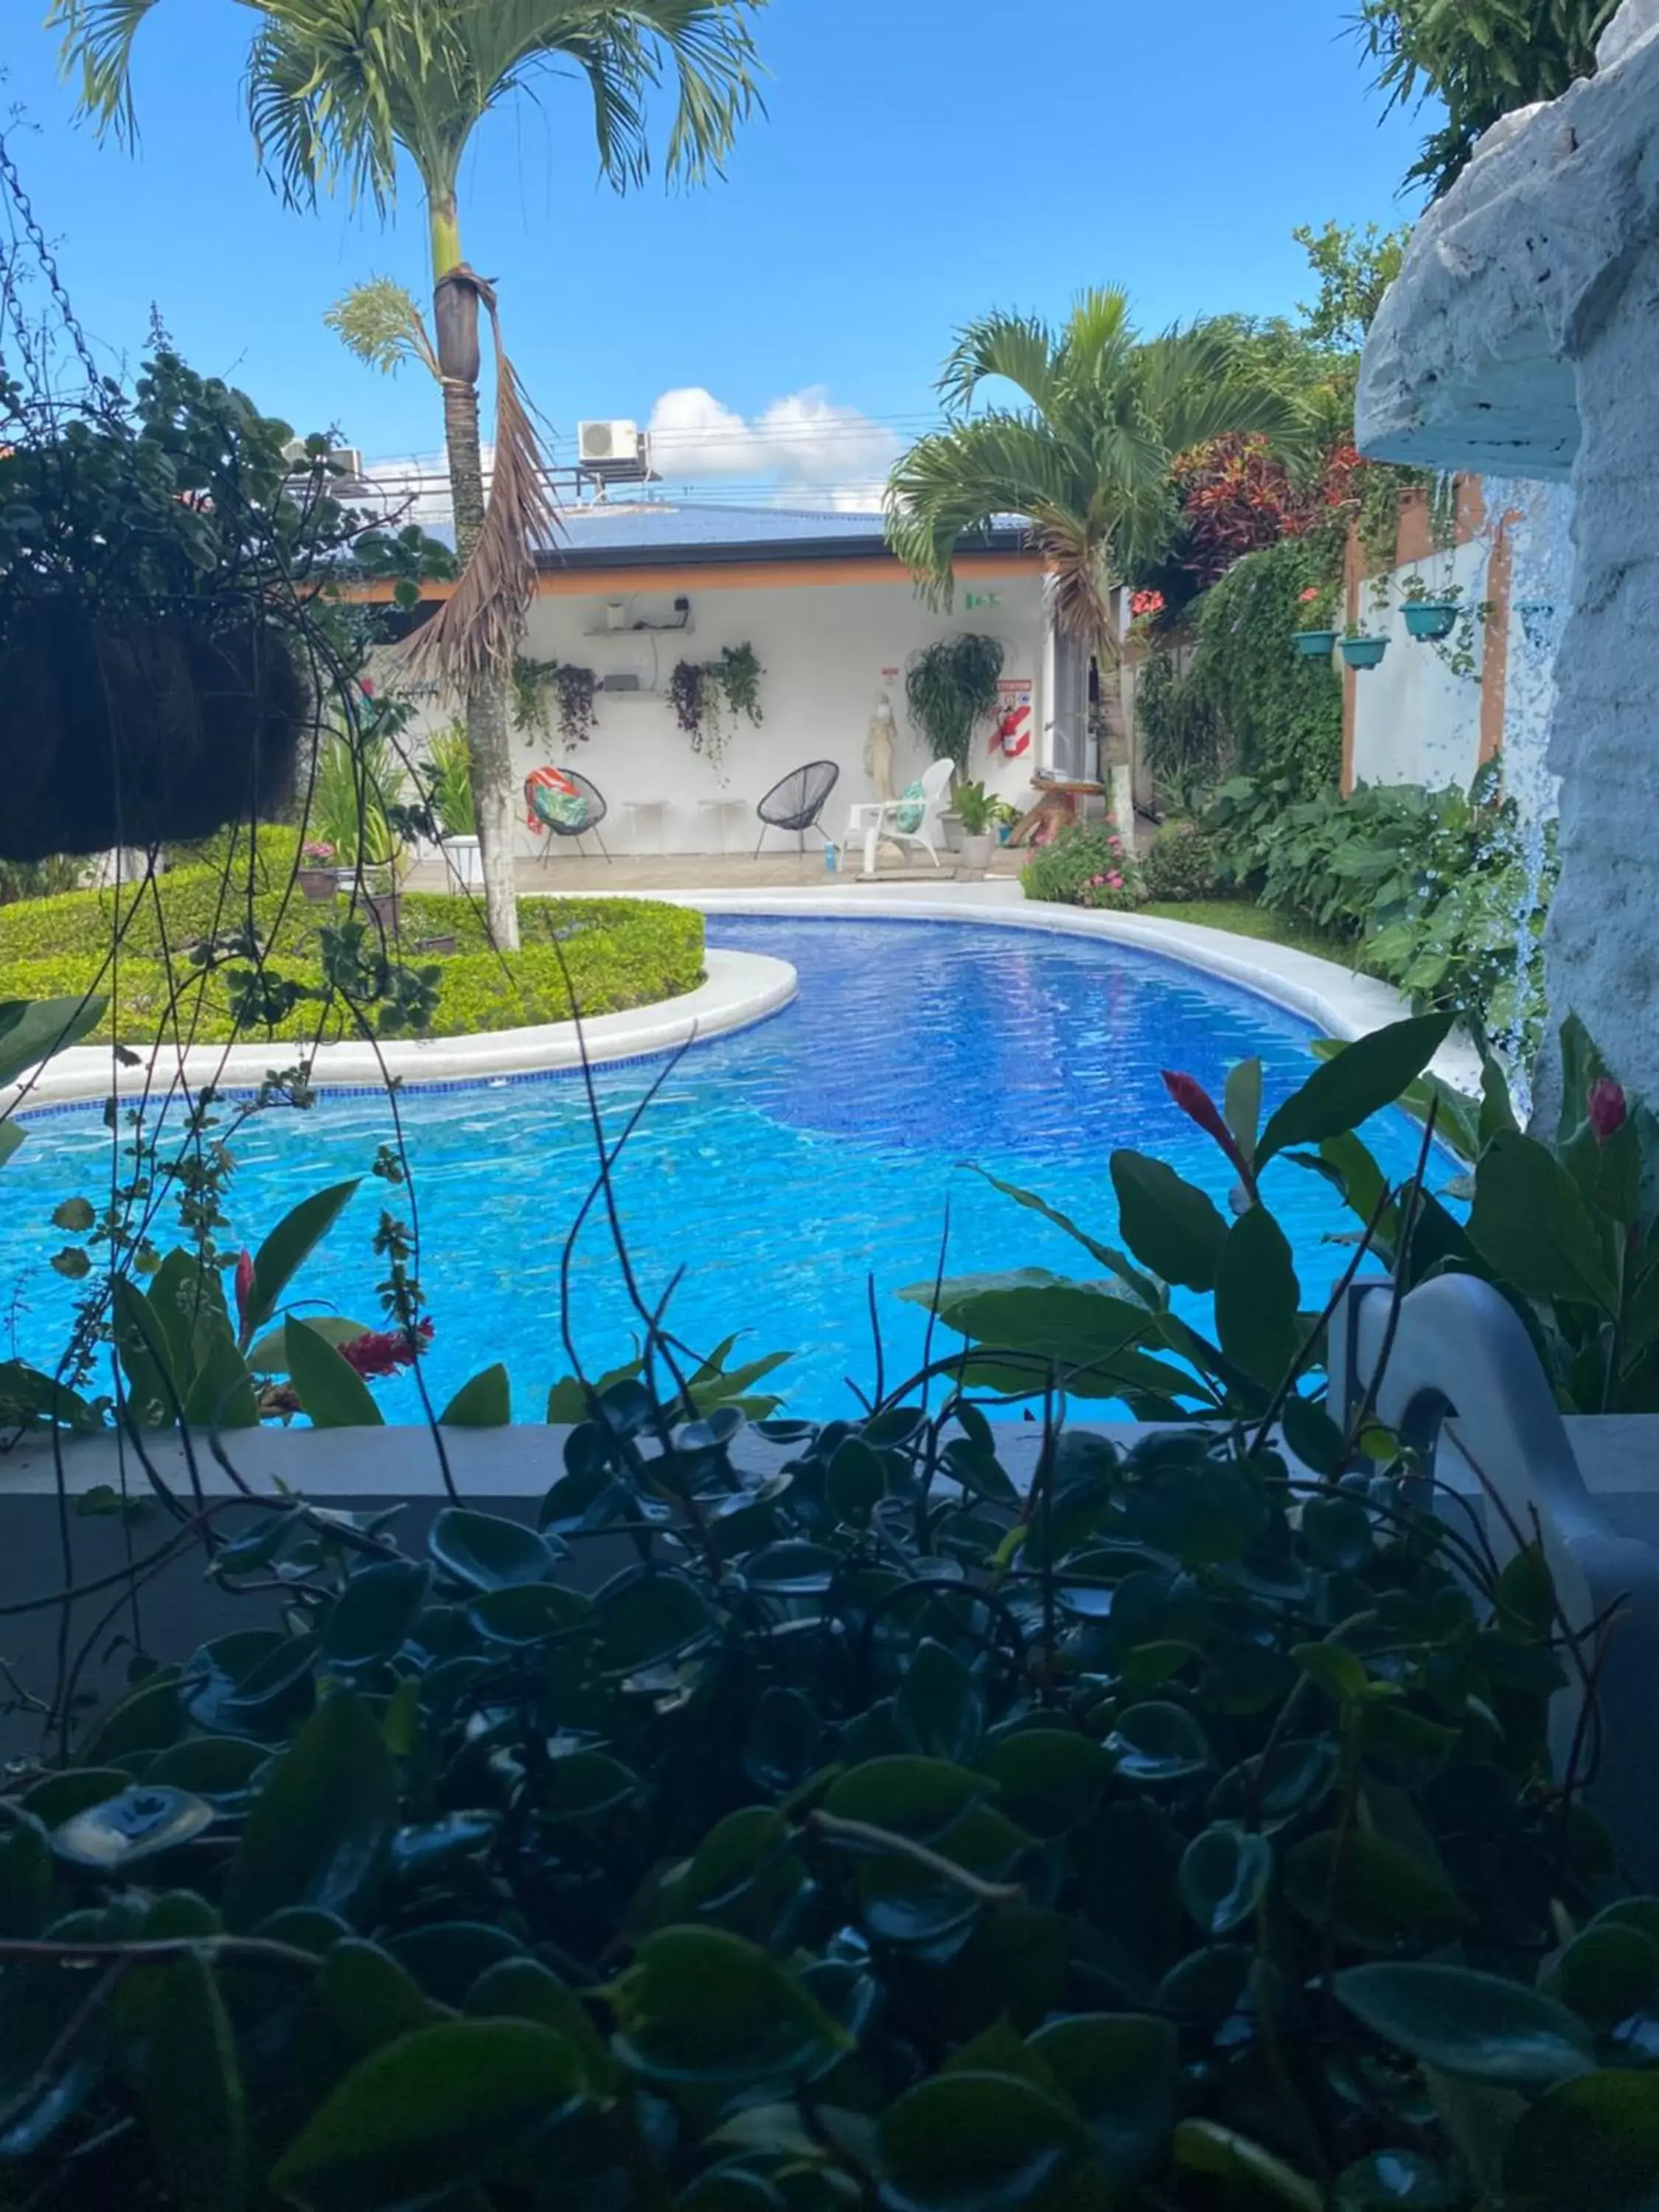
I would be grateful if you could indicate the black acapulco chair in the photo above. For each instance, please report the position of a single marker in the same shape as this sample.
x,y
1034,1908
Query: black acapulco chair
x,y
545,806
796,801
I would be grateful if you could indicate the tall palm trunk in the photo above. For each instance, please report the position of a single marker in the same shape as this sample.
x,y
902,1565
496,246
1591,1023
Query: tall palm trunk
x,y
489,749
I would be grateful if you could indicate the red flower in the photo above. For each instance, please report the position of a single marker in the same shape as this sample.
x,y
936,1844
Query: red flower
x,y
380,1352
1311,595
1195,1102
367,687
244,1288
1608,1108
1143,604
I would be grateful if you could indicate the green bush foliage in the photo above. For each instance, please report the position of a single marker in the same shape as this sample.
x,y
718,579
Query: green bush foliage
x,y
619,953
1182,862
1084,866
1428,885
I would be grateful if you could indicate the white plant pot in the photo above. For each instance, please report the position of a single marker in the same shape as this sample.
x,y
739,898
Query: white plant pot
x,y
465,861
976,850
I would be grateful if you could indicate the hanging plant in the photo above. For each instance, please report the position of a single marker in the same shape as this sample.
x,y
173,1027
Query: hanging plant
x,y
708,696
951,688
575,687
528,697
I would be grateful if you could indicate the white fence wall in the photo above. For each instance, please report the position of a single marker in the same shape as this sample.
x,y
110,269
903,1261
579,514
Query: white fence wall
x,y
826,649
1415,721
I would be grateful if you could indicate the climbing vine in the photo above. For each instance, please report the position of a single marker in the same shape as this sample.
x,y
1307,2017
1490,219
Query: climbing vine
x,y
708,696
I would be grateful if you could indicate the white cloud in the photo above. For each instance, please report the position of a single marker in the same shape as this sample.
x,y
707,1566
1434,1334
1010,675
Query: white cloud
x,y
804,439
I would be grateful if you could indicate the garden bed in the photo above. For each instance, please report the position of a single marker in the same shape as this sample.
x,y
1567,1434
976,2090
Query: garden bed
x,y
191,939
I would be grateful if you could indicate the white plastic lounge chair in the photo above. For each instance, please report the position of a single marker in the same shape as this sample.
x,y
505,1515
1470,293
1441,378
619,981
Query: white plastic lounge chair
x,y
896,821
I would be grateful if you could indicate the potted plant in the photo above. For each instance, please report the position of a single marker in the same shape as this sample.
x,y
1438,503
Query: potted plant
x,y
1431,615
1318,641
976,810
448,780
951,688
1360,651
1006,818
316,871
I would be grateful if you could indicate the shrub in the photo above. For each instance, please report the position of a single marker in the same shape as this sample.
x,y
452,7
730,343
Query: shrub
x,y
1084,866
1182,864
1183,740
1283,712
619,952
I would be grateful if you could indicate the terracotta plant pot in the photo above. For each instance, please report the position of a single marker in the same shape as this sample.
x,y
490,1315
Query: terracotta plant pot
x,y
1316,644
319,884
1432,618
1364,651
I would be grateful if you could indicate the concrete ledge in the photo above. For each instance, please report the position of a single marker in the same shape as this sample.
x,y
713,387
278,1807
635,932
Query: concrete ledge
x,y
741,989
1339,1002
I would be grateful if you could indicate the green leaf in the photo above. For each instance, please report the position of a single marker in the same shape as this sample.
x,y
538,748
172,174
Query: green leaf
x,y
1374,1894
1360,1081
191,2091
1609,1974
1171,1226
485,1402
268,1354
149,1718
527,1613
584,1785
1589,2145
367,1997
113,1834
319,1828
1470,2024
919,1798
1157,1742
288,1245
25,1874
221,1392
979,2143
1530,1224
1241,1105
1064,1324
700,2005
446,1957
373,1614
1122,2072
1145,1289
650,1618
154,1395
939,1709
433,2110
31,1031
520,1988
1340,1673
1313,1436
486,1551
331,1392
1257,1298
1225,1873
1049,1780
856,1481
1205,2147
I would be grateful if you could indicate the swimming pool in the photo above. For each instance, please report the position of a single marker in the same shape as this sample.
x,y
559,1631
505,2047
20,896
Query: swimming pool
x,y
782,1167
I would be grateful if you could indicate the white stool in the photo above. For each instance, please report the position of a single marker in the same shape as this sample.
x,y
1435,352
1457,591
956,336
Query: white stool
x,y
657,806
725,806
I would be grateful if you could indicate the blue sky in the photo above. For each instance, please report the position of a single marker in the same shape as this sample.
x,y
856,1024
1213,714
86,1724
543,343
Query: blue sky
x,y
922,159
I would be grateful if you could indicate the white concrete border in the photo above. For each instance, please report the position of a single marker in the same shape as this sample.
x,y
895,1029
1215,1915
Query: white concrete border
x,y
1339,1002
741,989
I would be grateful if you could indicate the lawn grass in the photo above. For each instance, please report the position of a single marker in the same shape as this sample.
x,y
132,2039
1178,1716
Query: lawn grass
x,y
1245,919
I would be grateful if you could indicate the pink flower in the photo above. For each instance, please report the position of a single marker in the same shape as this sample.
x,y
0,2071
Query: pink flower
x,y
367,687
383,1352
244,1288
1114,844
1116,882
1608,1108
1311,595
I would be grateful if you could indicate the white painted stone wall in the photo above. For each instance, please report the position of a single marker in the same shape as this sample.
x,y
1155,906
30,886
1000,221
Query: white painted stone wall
x,y
824,647
1521,338
1415,721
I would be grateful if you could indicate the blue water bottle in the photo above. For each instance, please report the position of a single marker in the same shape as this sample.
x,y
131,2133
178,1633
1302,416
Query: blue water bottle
x,y
829,857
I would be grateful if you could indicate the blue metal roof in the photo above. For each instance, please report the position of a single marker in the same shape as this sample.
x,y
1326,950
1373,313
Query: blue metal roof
x,y
662,525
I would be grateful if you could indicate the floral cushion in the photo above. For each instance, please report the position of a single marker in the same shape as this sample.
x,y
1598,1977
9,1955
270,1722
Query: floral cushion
x,y
554,798
913,804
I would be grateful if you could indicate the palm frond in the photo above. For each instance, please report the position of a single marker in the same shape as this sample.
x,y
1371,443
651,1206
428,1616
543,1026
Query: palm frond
x,y
1018,348
1098,336
97,48
474,636
380,322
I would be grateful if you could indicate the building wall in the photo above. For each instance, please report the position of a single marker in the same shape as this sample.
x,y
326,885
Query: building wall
x,y
1415,721
827,649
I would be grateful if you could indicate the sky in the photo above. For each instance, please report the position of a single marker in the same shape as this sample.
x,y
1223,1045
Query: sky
x,y
920,161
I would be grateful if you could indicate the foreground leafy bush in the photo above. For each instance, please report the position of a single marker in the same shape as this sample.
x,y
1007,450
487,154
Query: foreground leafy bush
x,y
1084,866
861,1833
619,953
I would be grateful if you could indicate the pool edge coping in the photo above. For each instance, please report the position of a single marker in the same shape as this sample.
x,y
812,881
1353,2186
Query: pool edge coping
x,y
739,990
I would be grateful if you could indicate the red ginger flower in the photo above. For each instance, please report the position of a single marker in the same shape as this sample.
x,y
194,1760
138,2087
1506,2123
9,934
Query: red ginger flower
x,y
380,1352
244,1287
1195,1102
1607,1107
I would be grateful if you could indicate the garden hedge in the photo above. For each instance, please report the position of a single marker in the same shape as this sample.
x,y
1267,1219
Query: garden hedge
x,y
617,952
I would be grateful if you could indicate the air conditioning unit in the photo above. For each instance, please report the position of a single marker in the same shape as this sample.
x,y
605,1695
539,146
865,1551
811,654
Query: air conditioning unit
x,y
619,453
339,460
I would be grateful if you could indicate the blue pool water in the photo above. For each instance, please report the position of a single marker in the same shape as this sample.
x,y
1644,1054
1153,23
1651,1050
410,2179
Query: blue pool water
x,y
781,1168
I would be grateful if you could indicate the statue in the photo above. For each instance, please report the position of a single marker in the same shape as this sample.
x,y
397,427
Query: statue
x,y
879,739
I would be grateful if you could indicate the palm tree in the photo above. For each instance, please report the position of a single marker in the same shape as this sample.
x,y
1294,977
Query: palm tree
x,y
336,89
1087,460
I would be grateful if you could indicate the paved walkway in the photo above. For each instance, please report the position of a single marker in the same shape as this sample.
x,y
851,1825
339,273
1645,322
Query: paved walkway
x,y
706,872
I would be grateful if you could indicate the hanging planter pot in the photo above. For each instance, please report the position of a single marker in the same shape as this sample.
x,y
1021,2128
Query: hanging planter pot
x,y
1316,644
1364,651
1430,619
132,732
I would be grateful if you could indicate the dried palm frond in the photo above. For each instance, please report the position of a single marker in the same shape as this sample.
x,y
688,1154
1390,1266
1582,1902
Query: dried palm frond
x,y
475,635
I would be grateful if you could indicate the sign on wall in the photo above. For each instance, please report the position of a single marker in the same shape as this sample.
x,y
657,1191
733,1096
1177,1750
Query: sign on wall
x,y
1013,735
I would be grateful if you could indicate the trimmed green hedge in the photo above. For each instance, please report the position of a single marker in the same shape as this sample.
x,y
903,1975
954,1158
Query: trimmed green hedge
x,y
619,953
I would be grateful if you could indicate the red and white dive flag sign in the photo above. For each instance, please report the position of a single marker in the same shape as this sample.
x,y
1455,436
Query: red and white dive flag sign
x,y
1013,735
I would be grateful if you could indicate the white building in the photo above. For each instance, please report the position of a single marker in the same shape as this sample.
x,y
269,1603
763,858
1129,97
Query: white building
x,y
833,619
